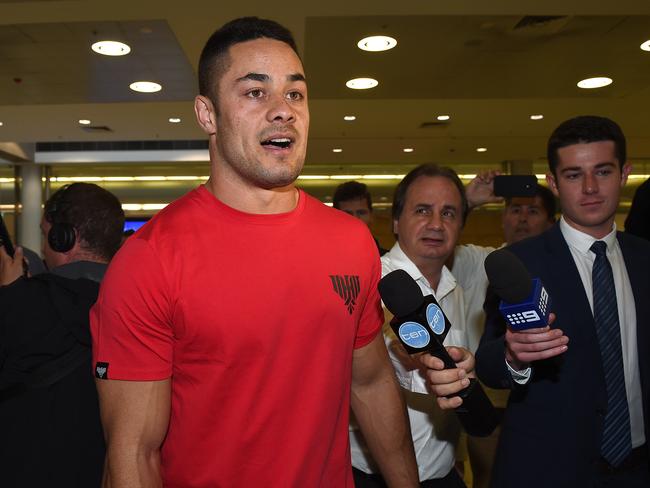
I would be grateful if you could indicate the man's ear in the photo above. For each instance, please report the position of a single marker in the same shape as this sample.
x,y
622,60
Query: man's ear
x,y
395,227
627,169
205,114
552,184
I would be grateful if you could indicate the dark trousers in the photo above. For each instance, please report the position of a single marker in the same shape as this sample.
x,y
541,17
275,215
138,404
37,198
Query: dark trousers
x,y
365,480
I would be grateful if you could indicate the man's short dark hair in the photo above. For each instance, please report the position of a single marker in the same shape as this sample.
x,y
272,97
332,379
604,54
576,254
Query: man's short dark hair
x,y
95,213
214,60
431,170
351,190
548,201
582,130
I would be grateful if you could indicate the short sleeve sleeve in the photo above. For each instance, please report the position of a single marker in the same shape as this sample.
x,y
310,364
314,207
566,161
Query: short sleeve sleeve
x,y
372,315
131,322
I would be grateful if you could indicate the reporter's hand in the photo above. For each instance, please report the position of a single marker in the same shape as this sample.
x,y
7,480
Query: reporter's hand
x,y
480,190
10,268
526,346
446,382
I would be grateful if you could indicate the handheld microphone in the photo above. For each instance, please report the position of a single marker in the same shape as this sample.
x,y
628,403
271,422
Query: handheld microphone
x,y
525,303
421,326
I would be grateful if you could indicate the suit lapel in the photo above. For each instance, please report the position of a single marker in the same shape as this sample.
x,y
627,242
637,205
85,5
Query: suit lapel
x,y
567,284
640,284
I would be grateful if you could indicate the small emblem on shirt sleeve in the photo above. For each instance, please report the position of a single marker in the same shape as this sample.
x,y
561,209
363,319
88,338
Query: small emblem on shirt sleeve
x,y
101,371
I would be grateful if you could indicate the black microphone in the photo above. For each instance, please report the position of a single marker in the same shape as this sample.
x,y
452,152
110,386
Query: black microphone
x,y
525,303
421,326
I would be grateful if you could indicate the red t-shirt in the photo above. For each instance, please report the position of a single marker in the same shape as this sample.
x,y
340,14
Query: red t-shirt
x,y
255,318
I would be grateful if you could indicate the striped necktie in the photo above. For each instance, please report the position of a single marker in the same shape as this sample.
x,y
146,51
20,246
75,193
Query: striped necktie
x,y
617,442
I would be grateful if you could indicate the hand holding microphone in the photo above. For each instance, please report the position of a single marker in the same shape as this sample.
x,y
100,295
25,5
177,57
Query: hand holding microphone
x,y
421,326
526,308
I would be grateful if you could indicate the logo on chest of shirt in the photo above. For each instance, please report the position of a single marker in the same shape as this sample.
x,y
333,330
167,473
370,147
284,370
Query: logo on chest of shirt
x,y
347,287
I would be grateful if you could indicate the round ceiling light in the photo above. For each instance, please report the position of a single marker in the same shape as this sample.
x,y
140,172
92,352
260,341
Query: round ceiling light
x,y
362,83
481,149
145,86
84,122
377,43
646,45
1,124
174,120
408,149
337,150
111,48
443,118
596,82
349,118
536,117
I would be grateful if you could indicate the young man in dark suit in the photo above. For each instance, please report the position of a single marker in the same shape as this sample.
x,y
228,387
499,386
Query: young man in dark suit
x,y
579,410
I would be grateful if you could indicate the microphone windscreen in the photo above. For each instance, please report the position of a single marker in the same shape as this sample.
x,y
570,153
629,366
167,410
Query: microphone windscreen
x,y
400,293
508,276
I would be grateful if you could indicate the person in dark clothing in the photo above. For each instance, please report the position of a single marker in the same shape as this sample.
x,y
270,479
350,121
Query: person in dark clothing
x,y
49,415
638,219
354,199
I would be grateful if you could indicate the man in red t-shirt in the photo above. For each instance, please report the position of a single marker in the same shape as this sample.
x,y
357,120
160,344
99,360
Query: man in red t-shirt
x,y
229,341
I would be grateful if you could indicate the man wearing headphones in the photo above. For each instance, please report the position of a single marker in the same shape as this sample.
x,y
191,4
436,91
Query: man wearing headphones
x,y
49,416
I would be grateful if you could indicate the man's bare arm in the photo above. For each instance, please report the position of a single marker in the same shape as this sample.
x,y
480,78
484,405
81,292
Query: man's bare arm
x,y
379,408
135,416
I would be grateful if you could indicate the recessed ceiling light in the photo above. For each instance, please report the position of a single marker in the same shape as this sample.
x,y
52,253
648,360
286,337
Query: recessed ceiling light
x,y
337,150
145,86
646,45
377,43
111,48
349,117
481,149
597,82
174,120
362,83
1,124
536,117
408,149
442,118
84,121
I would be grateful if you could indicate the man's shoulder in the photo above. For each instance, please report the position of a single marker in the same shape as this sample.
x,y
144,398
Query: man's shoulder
x,y
470,253
535,244
636,244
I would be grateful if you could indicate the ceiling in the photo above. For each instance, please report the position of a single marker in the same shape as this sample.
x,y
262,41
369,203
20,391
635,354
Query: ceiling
x,y
489,65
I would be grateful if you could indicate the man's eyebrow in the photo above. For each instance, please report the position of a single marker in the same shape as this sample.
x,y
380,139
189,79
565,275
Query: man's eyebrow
x,y
254,77
262,77
297,77
604,164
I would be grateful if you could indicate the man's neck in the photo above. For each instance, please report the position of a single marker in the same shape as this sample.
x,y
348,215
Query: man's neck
x,y
597,231
432,271
242,195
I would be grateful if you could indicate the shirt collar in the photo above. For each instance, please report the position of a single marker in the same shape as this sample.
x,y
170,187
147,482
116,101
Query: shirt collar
x,y
582,242
399,260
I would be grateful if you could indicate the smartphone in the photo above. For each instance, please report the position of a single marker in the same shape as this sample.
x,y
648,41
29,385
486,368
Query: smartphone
x,y
515,185
5,240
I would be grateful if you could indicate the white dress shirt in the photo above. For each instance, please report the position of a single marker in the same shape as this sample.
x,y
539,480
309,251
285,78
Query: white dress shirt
x,y
579,245
435,432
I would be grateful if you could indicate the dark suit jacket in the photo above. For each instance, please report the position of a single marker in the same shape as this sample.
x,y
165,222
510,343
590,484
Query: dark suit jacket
x,y
553,425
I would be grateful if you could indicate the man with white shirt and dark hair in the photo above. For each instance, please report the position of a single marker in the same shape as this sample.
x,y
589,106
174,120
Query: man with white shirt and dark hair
x,y
579,411
429,211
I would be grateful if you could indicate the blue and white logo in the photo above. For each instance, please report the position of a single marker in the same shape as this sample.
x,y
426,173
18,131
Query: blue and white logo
x,y
414,335
436,319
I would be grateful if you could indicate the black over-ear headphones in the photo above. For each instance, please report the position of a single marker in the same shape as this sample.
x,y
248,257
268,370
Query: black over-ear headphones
x,y
62,235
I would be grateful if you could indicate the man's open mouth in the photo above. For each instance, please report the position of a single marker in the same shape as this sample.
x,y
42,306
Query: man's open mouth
x,y
279,142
